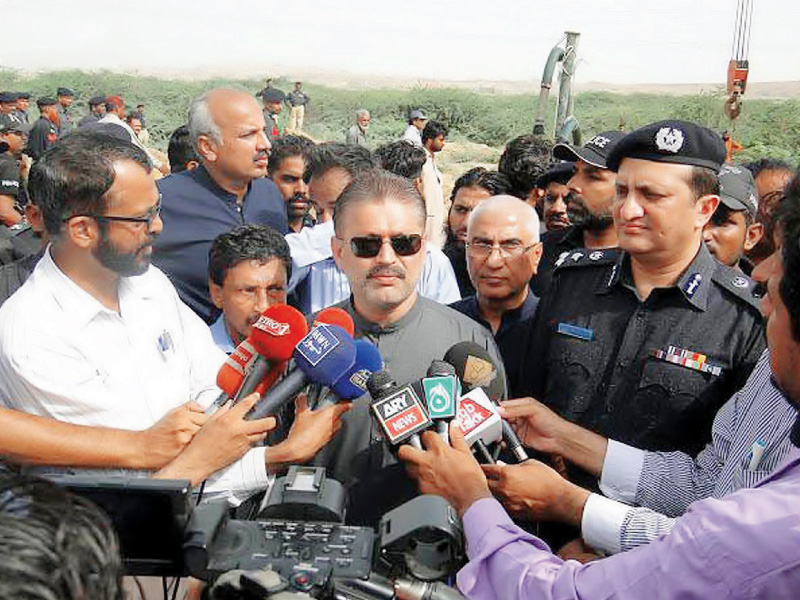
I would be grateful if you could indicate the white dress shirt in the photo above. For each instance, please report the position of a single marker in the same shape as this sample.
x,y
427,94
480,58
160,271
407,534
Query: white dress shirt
x,y
66,356
324,284
413,135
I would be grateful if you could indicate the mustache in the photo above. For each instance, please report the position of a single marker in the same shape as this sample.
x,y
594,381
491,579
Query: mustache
x,y
381,270
261,155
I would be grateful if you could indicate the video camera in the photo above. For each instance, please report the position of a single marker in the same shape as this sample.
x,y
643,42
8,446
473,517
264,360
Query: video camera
x,y
298,546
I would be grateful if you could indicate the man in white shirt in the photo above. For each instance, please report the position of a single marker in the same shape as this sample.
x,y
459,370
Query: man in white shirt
x,y
97,337
416,123
432,182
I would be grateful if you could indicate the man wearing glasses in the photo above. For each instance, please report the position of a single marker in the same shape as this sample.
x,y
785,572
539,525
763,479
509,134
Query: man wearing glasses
x,y
379,243
503,252
95,337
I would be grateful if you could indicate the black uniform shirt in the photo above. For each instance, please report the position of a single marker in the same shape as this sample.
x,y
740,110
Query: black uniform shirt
x,y
42,136
554,244
651,374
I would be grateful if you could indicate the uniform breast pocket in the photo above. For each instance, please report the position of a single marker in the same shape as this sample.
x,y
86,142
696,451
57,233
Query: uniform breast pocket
x,y
667,392
575,367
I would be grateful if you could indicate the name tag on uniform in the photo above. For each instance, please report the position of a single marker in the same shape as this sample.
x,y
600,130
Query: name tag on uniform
x,y
688,359
574,331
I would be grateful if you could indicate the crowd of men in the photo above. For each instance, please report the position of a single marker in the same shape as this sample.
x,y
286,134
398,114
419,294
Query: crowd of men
x,y
639,299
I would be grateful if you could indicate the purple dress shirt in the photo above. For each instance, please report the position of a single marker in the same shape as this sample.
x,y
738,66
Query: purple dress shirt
x,y
745,545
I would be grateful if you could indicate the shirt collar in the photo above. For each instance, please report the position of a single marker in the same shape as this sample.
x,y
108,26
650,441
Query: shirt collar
x,y
365,326
203,177
79,304
221,336
694,283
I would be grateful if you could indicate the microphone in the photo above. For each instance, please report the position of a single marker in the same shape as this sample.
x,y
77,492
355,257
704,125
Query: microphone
x,y
273,336
233,371
353,384
475,368
322,356
440,389
398,409
480,421
333,315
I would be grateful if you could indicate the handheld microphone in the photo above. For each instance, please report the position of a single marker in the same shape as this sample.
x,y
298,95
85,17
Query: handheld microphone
x,y
475,368
480,421
273,337
440,389
321,356
333,315
353,383
398,410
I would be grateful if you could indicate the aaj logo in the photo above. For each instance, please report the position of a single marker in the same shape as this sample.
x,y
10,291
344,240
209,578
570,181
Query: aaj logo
x,y
599,141
440,395
669,139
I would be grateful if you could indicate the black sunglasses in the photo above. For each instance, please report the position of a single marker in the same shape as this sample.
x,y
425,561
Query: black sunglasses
x,y
370,246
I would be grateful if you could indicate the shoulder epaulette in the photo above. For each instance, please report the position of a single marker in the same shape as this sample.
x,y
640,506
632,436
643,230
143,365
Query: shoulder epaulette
x,y
736,283
583,257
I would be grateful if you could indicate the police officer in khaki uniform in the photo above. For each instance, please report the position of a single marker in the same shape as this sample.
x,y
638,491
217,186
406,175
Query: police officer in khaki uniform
x,y
644,343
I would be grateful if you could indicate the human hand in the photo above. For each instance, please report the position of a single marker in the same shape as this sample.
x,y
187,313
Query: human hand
x,y
447,471
224,438
311,430
537,426
170,435
578,550
535,491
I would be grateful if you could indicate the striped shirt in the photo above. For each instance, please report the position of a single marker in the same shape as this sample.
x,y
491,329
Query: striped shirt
x,y
756,420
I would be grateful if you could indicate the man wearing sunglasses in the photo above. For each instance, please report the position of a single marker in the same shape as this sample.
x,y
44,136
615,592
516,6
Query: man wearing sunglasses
x,y
379,244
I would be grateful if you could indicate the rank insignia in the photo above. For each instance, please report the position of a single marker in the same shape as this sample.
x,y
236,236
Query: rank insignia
x,y
690,360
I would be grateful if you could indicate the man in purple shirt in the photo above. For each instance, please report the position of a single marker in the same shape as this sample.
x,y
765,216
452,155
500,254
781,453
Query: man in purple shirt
x,y
744,545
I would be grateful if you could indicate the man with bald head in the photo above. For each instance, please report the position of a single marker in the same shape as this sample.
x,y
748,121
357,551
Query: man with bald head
x,y
503,253
228,189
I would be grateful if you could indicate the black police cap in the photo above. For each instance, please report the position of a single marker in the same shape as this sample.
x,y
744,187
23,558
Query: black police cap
x,y
272,95
95,100
45,101
594,152
672,141
62,91
6,97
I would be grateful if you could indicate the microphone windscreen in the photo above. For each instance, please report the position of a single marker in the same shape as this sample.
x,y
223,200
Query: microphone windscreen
x,y
236,366
441,368
277,331
353,384
475,368
325,354
333,315
379,383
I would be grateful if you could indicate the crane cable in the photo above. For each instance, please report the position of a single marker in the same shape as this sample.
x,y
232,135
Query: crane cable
x,y
741,35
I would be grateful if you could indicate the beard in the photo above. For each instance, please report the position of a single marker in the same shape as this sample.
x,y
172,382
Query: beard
x,y
584,219
123,264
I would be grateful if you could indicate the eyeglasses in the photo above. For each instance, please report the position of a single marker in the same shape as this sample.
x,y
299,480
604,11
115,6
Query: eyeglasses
x,y
370,246
509,249
147,217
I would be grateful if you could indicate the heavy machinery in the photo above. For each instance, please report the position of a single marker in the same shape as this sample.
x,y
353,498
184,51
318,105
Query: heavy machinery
x,y
739,65
567,128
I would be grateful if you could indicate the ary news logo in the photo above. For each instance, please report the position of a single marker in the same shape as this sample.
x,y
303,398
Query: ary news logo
x,y
271,326
401,415
440,393
318,343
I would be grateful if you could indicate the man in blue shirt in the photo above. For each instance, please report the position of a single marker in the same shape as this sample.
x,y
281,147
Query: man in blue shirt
x,y
248,268
226,190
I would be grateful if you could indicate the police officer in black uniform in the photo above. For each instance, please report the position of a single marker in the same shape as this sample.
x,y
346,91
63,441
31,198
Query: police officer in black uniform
x,y
591,194
44,132
97,110
644,343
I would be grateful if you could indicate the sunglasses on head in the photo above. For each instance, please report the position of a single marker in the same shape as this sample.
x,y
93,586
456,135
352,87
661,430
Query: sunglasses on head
x,y
369,246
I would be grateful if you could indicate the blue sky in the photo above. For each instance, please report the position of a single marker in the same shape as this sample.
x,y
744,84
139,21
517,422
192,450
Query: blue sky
x,y
622,41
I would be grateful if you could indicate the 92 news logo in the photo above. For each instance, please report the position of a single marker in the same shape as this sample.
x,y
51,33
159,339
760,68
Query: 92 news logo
x,y
401,415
